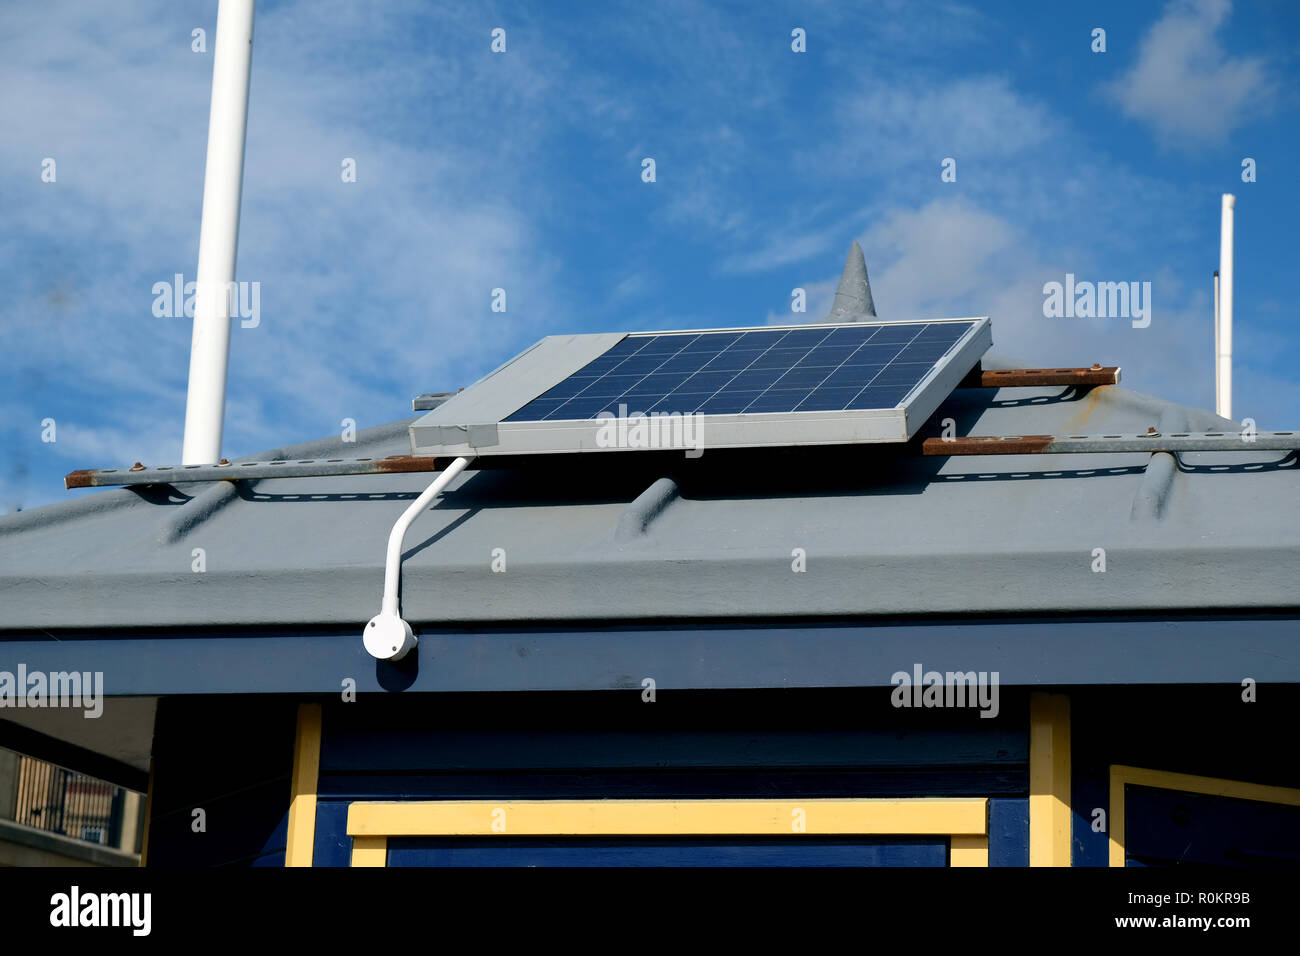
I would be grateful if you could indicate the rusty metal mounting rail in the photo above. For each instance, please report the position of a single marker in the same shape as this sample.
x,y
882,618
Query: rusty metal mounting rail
x,y
980,377
1244,441
971,445
233,471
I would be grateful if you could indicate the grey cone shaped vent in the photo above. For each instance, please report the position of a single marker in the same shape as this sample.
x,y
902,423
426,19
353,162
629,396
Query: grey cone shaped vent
x,y
853,296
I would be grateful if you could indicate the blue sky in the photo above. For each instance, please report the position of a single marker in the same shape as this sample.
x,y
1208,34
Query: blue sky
x,y
522,171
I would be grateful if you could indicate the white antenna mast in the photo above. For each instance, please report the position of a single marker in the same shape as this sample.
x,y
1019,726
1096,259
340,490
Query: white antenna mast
x,y
1223,315
205,404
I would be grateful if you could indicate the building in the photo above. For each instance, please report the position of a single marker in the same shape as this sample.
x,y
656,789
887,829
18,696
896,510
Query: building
x,y
697,660
51,816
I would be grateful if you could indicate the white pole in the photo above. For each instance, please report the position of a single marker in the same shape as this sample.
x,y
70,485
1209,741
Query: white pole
x,y
1223,358
223,180
1216,340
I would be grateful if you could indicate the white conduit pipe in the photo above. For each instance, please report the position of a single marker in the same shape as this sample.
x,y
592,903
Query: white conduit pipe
x,y
388,637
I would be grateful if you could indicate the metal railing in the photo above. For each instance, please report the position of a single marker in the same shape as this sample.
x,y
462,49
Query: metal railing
x,y
51,798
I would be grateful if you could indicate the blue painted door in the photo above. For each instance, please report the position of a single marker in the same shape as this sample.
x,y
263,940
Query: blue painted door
x,y
1172,827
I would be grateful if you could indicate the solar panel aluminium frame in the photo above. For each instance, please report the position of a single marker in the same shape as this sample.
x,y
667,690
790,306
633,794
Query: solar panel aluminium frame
x,y
472,423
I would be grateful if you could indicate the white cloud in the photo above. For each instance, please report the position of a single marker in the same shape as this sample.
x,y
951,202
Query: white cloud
x,y
1184,84
941,259
892,126
780,249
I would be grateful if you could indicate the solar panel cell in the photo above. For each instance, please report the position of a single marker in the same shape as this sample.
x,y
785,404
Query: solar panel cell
x,y
569,388
641,364
901,373
873,355
733,359
923,352
802,377
728,403
879,397
667,344
597,368
713,342
707,382
804,338
575,409
778,358
896,333
828,399
854,334
858,376
609,386
773,400
827,355
683,362
758,379
942,332
663,382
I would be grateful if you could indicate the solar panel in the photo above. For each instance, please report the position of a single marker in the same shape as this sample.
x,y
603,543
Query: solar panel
x,y
810,384
727,373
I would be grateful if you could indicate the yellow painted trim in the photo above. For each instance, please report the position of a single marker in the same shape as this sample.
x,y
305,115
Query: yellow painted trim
x,y
370,851
1122,776
963,820
302,795
965,816
1049,779
968,850
148,816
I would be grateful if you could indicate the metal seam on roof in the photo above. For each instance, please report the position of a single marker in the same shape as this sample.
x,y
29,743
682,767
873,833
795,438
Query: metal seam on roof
x,y
1157,483
645,508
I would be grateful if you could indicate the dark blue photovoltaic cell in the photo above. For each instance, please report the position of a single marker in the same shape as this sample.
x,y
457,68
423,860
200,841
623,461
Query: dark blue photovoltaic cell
x,y
767,370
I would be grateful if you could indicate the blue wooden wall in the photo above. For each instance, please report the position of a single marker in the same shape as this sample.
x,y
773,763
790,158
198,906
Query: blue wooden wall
x,y
232,756
828,743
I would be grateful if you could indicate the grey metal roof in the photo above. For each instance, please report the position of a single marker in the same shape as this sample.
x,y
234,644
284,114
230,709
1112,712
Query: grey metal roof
x,y
643,539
